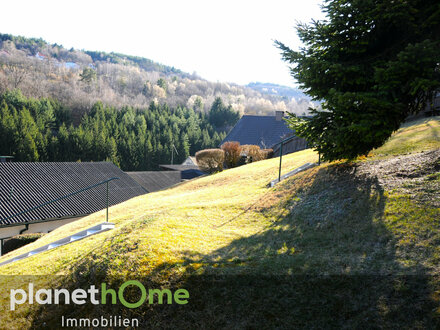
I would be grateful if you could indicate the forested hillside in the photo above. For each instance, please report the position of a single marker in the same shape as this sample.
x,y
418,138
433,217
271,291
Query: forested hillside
x,y
79,79
134,139
274,89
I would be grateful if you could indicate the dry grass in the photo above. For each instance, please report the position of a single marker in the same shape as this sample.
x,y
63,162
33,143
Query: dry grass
x,y
336,219
166,223
416,136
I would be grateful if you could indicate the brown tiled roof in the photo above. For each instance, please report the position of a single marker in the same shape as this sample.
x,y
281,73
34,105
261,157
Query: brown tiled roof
x,y
24,185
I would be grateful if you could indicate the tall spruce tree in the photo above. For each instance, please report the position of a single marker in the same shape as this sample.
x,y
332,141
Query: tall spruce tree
x,y
371,63
222,116
8,130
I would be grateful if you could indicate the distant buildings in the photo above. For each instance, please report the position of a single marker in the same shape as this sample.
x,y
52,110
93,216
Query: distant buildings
x,y
68,65
173,174
41,56
188,169
265,132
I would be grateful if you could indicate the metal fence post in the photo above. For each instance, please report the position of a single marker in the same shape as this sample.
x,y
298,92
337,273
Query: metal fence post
x,y
106,214
281,156
63,197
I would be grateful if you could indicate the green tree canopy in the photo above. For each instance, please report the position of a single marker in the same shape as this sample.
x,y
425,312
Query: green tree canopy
x,y
222,116
88,75
371,63
134,139
162,84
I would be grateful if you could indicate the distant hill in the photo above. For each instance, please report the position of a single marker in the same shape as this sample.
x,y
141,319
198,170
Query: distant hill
x,y
274,89
79,79
288,94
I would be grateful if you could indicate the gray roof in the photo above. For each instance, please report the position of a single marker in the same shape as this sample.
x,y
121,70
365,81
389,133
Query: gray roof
x,y
191,173
179,167
156,180
24,185
190,160
264,131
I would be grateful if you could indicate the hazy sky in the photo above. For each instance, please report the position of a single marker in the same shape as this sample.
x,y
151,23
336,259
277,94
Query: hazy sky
x,y
229,41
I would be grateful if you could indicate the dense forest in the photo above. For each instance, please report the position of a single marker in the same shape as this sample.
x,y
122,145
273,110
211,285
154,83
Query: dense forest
x,y
79,79
59,104
134,139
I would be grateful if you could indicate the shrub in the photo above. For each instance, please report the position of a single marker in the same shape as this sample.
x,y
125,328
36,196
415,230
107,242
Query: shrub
x,y
210,160
232,151
253,152
19,241
267,153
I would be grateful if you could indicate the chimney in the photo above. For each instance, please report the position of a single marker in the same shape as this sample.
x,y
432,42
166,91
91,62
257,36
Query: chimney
x,y
279,115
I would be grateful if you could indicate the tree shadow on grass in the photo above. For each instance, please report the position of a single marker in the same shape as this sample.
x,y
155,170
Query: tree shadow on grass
x,y
433,130
328,260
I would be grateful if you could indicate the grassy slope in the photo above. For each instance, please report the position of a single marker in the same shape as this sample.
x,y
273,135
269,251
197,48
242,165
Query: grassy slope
x,y
164,226
416,136
324,221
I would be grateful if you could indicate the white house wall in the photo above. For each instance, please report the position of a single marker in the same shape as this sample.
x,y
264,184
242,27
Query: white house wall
x,y
41,227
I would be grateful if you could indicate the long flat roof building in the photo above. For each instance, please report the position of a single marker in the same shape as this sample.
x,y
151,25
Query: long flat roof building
x,y
25,185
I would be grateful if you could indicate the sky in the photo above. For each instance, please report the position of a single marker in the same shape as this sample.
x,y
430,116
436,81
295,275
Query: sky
x,y
227,41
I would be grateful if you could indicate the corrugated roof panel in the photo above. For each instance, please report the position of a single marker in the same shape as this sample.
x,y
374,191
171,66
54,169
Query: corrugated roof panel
x,y
24,185
156,180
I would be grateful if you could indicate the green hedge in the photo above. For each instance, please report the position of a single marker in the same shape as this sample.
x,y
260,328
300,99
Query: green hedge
x,y
19,241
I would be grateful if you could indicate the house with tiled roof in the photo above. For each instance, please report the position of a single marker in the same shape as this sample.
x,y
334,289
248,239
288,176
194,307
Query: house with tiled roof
x,y
188,169
26,185
170,175
190,160
41,56
265,132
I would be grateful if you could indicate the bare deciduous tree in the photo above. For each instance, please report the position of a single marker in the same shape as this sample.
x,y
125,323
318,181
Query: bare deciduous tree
x,y
16,73
118,84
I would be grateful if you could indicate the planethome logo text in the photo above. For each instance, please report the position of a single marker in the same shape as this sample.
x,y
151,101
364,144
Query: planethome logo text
x,y
97,296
